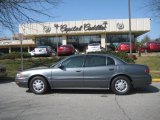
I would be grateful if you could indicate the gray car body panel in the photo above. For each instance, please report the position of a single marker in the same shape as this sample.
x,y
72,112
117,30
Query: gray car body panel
x,y
87,77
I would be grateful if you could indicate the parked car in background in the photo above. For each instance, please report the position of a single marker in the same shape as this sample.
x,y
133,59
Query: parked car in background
x,y
125,47
67,50
94,47
86,71
150,46
1,54
31,53
42,51
3,72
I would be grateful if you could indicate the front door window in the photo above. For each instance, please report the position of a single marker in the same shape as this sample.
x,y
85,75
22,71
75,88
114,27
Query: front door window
x,y
74,62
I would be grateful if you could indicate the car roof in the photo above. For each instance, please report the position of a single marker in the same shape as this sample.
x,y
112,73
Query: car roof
x,y
94,44
42,46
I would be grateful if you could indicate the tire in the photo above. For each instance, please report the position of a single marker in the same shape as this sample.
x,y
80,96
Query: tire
x,y
121,85
38,85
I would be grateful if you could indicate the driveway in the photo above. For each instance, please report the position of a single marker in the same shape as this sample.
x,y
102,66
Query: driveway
x,y
19,104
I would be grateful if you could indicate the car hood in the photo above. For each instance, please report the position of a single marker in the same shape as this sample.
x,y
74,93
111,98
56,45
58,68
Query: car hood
x,y
37,68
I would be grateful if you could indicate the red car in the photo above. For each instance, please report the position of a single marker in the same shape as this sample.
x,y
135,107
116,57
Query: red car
x,y
66,49
125,47
151,46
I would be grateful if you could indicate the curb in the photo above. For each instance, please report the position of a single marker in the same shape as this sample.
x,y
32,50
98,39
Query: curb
x,y
156,80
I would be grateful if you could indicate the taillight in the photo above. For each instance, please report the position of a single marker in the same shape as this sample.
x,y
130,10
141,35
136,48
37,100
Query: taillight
x,y
147,70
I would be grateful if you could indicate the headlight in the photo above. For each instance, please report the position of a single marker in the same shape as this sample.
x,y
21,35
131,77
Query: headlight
x,y
20,75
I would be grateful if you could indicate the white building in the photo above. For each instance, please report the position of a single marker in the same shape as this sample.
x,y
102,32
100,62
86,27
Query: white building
x,y
80,33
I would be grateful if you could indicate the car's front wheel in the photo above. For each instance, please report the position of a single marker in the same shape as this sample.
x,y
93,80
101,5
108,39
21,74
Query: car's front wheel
x,y
38,85
121,85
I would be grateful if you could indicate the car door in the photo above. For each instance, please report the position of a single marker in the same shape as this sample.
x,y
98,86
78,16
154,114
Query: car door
x,y
111,70
95,71
70,74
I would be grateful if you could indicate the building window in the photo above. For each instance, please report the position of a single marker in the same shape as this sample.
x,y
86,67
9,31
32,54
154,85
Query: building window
x,y
49,41
81,41
118,38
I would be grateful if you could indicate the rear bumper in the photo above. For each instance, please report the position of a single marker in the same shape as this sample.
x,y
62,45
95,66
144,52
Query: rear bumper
x,y
93,51
65,52
36,55
142,81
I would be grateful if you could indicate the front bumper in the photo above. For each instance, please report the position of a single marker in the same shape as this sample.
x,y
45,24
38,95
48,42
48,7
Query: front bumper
x,y
21,83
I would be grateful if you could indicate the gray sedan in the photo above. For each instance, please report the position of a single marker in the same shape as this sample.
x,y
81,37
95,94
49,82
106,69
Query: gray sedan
x,y
86,71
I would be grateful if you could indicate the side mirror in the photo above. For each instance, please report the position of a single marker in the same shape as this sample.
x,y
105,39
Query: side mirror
x,y
61,66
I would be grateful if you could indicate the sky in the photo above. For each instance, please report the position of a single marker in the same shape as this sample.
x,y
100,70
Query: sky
x,y
71,10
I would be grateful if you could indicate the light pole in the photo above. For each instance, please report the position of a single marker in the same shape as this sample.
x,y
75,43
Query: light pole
x,y
21,53
21,47
105,22
56,26
21,43
130,34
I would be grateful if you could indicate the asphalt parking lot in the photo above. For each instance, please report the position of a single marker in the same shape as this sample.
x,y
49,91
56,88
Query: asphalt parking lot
x,y
19,104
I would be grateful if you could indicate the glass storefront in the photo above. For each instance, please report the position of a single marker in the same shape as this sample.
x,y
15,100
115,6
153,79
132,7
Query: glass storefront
x,y
118,38
113,40
81,41
49,41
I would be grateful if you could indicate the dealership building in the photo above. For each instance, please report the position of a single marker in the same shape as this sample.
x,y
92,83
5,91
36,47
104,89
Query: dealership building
x,y
81,33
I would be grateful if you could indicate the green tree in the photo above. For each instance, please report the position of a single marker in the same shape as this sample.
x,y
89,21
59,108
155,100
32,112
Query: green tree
x,y
145,39
157,39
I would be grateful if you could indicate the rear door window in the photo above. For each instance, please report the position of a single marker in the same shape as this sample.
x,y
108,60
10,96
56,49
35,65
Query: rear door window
x,y
94,61
110,61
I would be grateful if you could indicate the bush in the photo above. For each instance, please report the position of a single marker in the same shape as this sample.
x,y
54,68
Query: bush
x,y
123,55
35,62
15,55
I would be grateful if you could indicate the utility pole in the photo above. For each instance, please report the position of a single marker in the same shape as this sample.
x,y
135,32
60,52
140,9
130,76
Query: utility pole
x,y
21,42
105,23
56,26
130,34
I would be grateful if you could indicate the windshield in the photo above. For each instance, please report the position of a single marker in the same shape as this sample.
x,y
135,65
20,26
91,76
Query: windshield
x,y
56,63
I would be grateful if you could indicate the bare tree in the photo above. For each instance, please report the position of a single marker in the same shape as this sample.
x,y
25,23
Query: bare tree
x,y
154,6
14,12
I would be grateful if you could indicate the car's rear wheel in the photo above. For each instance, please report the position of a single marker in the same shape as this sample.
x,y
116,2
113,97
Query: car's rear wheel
x,y
38,85
121,85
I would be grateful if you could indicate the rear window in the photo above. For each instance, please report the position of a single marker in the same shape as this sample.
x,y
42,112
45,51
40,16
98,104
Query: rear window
x,y
40,49
94,44
67,46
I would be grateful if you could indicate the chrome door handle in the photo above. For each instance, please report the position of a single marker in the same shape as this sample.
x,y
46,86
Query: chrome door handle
x,y
111,69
